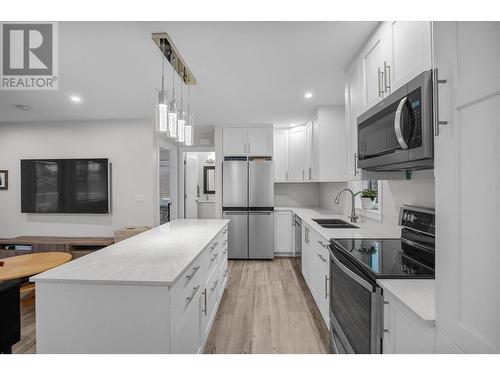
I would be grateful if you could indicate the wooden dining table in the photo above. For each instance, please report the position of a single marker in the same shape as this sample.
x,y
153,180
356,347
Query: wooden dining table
x,y
24,266
14,271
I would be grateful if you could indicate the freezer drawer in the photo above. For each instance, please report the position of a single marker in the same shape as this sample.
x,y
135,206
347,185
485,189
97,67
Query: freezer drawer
x,y
238,234
234,183
261,235
260,183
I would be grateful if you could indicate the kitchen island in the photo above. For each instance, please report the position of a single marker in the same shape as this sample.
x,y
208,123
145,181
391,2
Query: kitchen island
x,y
156,292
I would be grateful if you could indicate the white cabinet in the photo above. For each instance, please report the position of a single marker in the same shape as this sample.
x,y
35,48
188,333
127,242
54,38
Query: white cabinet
x,y
309,138
280,155
316,150
409,52
404,331
283,233
306,251
396,52
296,154
315,269
257,141
234,141
260,141
373,55
467,181
319,274
352,110
186,332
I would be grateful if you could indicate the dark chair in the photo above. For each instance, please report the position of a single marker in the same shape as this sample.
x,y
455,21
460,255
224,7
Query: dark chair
x,y
10,315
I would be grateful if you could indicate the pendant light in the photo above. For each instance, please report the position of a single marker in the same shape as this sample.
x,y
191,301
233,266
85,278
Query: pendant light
x,y
172,110
188,130
161,108
181,120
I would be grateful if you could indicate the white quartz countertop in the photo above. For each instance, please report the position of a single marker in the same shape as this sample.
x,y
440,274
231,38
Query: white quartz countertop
x,y
367,228
418,295
156,257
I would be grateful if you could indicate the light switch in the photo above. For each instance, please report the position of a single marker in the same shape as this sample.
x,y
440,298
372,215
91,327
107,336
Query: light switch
x,y
140,198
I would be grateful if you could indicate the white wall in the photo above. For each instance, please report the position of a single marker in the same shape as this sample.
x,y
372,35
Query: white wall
x,y
419,191
128,144
296,194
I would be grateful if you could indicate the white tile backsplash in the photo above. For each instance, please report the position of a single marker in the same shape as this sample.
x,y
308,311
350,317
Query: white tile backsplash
x,y
296,194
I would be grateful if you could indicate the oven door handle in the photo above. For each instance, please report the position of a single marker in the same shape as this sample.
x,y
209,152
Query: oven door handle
x,y
351,274
397,124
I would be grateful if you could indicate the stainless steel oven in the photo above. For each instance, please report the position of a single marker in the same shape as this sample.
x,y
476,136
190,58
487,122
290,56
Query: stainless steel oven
x,y
397,133
355,308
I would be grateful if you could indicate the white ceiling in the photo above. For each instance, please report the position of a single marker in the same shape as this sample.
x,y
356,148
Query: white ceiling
x,y
247,72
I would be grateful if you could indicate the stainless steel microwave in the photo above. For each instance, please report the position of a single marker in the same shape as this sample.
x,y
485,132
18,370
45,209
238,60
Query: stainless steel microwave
x,y
397,133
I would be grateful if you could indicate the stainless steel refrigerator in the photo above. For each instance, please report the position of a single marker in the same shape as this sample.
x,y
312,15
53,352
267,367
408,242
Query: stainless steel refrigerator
x,y
248,202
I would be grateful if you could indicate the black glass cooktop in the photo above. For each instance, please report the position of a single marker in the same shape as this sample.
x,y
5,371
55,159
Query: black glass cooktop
x,y
387,258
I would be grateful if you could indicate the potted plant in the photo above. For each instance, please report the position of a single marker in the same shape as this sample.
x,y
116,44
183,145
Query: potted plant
x,y
368,199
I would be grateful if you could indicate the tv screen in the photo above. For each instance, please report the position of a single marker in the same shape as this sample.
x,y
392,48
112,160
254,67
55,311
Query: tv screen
x,y
65,186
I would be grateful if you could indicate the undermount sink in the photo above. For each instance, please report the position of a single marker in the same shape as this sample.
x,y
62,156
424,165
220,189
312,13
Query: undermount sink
x,y
334,223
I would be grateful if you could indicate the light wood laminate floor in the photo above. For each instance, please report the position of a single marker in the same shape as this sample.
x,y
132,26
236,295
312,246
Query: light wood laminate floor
x,y
266,308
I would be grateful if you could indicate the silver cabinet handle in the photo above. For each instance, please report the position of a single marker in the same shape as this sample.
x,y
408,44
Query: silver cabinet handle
x,y
225,250
214,256
355,164
195,290
286,175
303,174
215,285
224,231
387,77
326,286
322,257
214,245
310,173
190,276
225,272
386,330
224,243
397,124
435,97
204,310
322,244
380,79
307,235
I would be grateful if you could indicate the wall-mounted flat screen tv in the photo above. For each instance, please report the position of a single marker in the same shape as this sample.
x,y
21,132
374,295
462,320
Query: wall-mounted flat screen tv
x,y
65,186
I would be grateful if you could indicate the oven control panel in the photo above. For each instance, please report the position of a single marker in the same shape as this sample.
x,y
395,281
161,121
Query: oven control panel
x,y
416,218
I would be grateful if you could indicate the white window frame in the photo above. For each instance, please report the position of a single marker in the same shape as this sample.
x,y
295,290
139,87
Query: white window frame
x,y
370,214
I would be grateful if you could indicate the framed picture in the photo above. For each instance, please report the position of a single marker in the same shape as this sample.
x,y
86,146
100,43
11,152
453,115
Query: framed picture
x,y
4,180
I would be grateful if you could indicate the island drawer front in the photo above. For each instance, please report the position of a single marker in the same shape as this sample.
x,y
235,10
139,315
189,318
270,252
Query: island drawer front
x,y
195,274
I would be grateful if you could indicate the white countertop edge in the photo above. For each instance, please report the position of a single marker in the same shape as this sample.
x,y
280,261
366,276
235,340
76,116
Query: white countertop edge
x,y
408,291
40,278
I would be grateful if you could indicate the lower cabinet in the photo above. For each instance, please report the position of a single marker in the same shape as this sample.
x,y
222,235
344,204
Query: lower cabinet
x,y
315,269
196,296
404,331
283,233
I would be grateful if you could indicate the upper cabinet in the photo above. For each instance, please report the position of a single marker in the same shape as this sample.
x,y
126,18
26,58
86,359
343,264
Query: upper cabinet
x,y
280,157
373,55
251,141
297,154
409,52
396,52
316,151
352,108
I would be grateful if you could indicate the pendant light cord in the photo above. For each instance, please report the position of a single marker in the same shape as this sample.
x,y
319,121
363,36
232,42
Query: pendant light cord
x,y
162,66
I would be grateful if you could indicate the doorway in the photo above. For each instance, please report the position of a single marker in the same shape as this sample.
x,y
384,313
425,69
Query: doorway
x,y
199,185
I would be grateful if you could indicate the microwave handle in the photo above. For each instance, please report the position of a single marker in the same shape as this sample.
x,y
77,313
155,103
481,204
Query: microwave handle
x,y
397,124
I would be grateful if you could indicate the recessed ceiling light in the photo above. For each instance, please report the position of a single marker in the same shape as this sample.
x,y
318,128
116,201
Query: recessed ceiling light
x,y
308,95
75,98
23,107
